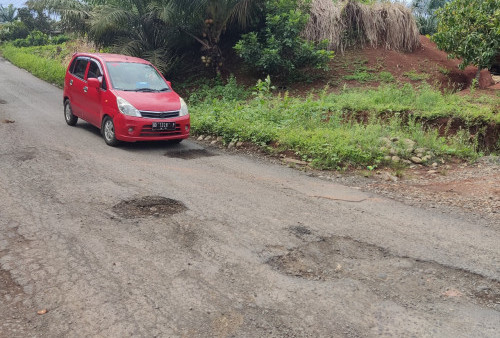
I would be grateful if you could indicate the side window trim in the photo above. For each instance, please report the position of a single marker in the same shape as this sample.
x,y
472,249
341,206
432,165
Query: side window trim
x,y
83,58
103,83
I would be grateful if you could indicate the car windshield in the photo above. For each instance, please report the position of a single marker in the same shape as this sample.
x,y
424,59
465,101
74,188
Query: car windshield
x,y
137,77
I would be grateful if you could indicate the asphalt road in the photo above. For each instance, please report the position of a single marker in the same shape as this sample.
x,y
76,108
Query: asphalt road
x,y
153,239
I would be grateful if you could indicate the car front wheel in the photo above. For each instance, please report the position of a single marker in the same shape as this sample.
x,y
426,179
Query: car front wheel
x,y
68,114
108,132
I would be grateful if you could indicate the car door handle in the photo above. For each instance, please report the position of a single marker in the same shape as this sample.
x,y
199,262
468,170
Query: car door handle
x,y
85,89
70,82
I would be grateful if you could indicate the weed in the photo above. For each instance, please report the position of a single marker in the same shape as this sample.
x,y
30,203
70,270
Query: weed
x,y
386,77
414,76
444,71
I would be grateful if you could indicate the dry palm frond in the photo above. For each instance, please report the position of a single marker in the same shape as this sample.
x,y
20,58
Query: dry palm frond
x,y
345,23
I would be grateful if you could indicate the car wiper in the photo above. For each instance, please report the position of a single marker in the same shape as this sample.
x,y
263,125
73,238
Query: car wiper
x,y
145,90
164,89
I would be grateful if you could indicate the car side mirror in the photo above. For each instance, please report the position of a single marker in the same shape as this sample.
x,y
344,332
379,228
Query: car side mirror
x,y
169,84
93,82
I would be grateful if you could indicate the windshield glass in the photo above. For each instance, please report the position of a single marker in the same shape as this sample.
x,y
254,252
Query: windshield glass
x,y
135,77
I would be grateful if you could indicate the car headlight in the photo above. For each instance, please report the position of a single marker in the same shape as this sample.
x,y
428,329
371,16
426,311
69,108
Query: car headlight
x,y
126,108
184,108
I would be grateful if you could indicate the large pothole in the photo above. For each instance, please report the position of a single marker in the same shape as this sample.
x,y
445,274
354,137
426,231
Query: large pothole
x,y
157,206
405,280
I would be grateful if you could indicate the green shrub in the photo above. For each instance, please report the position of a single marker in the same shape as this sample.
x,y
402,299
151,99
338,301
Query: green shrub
x,y
35,38
13,30
278,48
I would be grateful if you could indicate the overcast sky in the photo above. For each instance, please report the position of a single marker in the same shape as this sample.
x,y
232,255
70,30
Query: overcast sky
x,y
16,3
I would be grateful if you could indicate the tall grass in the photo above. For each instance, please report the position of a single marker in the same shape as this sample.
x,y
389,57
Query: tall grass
x,y
350,128
45,67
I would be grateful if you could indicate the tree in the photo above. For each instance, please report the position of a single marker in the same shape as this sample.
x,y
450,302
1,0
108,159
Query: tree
x,y
277,48
424,12
470,30
8,14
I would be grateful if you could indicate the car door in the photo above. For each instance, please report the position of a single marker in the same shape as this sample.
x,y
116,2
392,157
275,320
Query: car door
x,y
76,84
94,96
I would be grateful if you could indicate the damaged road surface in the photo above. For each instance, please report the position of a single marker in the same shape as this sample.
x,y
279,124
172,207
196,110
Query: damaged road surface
x,y
161,240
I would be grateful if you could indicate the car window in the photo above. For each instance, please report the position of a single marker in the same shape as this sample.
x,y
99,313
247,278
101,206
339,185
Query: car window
x,y
95,72
80,67
135,77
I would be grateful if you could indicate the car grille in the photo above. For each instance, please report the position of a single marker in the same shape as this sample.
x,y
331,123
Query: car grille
x,y
148,131
159,114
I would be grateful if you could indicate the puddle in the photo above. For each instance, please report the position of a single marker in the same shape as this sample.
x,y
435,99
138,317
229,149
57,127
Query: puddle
x,y
406,281
149,206
189,154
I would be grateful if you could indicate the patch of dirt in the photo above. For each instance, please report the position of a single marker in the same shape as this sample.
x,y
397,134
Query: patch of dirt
x,y
406,281
156,206
473,188
189,154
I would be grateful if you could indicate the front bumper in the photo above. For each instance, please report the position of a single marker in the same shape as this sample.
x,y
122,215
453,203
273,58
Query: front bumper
x,y
132,129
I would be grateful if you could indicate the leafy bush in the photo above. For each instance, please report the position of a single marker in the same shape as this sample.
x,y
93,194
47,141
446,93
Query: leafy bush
x,y
470,30
13,30
278,48
35,38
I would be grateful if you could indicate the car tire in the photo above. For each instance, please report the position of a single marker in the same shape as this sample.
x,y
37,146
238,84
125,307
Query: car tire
x,y
176,141
68,114
108,132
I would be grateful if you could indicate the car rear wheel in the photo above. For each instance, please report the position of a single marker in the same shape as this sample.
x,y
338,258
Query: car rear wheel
x,y
108,132
68,114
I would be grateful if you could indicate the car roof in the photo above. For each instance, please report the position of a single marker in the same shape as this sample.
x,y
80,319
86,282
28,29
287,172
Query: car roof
x,y
106,57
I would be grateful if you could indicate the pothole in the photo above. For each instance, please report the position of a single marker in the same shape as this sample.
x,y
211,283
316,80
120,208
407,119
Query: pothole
x,y
8,121
189,154
157,206
404,280
3,101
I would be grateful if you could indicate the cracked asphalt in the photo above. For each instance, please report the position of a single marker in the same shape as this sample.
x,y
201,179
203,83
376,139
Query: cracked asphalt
x,y
161,240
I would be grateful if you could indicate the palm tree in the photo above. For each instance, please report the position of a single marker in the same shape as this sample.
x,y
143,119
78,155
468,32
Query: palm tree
x,y
159,30
8,14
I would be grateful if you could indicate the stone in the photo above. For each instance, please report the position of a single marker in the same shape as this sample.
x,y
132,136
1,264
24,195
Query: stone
x,y
220,139
432,171
208,138
416,159
410,144
231,145
420,150
393,151
200,138
396,159
213,142
387,158
426,158
434,165
239,144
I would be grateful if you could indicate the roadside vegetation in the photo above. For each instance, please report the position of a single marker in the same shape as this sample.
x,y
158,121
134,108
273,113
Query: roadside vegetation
x,y
368,117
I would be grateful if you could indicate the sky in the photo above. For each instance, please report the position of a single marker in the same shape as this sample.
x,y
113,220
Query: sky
x,y
16,3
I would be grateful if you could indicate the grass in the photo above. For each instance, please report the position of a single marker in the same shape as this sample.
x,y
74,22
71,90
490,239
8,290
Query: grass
x,y
323,127
45,62
414,76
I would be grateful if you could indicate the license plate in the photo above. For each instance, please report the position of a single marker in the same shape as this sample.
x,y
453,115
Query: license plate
x,y
163,126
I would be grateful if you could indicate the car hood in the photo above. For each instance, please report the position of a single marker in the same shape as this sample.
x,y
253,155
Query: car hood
x,y
159,101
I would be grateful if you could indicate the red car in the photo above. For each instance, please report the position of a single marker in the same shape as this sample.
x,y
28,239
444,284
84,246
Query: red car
x,y
126,97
